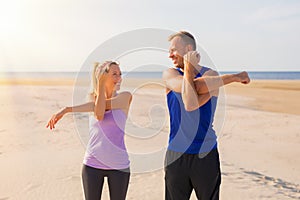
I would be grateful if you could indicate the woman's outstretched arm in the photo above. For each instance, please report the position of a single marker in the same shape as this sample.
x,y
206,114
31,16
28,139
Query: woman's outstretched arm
x,y
87,107
122,101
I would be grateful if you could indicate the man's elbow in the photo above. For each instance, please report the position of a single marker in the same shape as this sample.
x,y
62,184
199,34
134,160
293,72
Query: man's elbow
x,y
190,108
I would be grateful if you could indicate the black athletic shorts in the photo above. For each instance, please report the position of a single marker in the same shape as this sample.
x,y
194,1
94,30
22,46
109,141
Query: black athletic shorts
x,y
185,172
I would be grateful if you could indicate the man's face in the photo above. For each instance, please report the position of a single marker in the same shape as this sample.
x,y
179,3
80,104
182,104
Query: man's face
x,y
177,50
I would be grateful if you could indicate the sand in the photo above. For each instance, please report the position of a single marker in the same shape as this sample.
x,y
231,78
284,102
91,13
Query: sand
x,y
258,130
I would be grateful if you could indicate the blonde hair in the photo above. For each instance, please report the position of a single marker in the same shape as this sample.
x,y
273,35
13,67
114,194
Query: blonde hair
x,y
99,69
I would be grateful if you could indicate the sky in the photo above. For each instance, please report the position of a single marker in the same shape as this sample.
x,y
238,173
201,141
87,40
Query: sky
x,y
59,35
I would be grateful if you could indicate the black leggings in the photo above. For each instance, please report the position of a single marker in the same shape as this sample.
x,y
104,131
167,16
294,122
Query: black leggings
x,y
93,179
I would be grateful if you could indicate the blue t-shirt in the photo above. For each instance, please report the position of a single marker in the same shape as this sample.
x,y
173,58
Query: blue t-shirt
x,y
191,132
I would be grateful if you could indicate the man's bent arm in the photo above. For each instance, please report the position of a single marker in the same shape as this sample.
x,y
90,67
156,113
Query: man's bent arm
x,y
191,99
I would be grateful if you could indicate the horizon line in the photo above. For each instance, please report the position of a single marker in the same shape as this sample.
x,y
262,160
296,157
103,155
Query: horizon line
x,y
145,71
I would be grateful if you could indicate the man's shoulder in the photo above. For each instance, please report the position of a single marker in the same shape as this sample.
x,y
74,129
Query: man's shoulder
x,y
170,72
210,72
172,69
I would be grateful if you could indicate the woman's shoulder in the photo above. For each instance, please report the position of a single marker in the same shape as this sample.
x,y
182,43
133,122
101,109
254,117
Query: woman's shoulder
x,y
125,95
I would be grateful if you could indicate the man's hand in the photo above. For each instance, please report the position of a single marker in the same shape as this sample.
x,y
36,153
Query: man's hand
x,y
242,77
191,61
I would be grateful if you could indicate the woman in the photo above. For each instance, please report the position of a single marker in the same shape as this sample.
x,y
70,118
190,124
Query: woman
x,y
106,154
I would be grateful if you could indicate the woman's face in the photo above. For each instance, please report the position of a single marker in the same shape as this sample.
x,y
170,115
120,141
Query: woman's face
x,y
114,77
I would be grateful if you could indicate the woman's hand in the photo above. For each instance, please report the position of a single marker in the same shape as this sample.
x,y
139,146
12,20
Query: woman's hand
x,y
102,75
55,118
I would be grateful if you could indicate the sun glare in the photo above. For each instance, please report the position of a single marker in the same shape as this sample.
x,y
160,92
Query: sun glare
x,y
10,16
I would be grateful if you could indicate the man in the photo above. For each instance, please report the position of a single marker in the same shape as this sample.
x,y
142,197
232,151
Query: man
x,y
192,159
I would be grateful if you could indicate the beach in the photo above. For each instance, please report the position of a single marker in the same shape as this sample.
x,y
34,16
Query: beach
x,y
257,126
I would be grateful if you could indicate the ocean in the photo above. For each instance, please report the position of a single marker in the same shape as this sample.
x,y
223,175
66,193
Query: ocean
x,y
267,75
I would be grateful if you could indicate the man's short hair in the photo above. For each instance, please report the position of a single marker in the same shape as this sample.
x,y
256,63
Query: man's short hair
x,y
186,37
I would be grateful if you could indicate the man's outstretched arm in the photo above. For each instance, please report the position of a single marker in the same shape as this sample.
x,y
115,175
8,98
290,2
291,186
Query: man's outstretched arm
x,y
173,81
206,84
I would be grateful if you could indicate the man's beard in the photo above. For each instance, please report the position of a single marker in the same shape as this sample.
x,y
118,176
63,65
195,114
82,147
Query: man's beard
x,y
180,64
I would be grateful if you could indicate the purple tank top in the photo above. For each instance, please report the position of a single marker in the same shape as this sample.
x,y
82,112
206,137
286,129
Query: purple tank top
x,y
106,148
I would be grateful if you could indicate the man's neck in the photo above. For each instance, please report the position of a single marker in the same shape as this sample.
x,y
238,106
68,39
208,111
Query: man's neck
x,y
197,69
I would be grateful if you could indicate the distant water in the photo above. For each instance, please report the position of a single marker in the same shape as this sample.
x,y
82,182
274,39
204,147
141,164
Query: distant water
x,y
288,75
253,75
272,75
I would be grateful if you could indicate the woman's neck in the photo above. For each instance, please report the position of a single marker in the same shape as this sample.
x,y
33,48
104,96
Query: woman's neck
x,y
110,93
